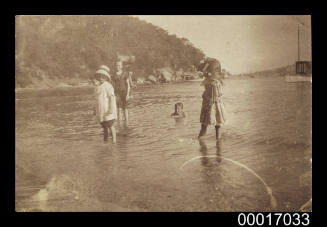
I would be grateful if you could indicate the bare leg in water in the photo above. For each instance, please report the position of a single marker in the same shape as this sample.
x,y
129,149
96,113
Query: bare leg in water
x,y
203,130
119,114
218,133
113,132
105,131
126,116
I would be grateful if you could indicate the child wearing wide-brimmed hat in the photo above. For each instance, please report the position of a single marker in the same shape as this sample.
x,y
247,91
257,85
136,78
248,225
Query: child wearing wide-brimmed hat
x,y
105,106
213,110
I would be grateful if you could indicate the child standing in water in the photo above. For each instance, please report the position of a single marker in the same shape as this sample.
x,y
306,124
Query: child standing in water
x,y
122,88
128,69
212,111
105,106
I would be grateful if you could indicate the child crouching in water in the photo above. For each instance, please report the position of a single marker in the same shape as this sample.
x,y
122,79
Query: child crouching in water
x,y
179,114
105,106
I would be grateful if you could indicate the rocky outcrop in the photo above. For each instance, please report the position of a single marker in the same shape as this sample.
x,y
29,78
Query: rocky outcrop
x,y
191,75
179,75
140,80
151,79
165,75
147,82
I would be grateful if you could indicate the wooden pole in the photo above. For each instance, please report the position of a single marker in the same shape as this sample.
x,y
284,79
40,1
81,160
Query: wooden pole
x,y
298,42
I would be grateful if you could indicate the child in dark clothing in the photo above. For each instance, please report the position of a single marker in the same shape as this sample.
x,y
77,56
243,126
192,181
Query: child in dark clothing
x,y
213,110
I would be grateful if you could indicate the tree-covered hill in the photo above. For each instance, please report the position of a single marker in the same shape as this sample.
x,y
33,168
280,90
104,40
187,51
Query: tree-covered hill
x,y
56,48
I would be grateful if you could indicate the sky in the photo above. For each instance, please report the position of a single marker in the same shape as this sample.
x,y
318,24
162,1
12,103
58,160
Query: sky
x,y
244,43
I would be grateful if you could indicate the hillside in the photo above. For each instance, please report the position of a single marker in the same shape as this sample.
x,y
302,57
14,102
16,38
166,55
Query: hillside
x,y
70,48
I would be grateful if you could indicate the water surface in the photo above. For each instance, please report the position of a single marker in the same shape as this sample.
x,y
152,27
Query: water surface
x,y
62,163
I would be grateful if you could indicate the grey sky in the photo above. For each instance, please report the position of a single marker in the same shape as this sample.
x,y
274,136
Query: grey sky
x,y
242,43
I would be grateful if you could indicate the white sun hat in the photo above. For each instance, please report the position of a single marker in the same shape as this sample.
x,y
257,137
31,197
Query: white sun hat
x,y
103,72
105,68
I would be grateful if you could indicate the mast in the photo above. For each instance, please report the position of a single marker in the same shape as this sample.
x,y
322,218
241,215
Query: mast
x,y
298,42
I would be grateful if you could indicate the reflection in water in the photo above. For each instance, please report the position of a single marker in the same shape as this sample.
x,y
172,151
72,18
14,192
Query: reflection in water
x,y
219,150
213,176
205,162
269,132
204,151
180,122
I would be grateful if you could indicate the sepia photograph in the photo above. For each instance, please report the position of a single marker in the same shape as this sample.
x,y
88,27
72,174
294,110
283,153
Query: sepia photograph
x,y
163,113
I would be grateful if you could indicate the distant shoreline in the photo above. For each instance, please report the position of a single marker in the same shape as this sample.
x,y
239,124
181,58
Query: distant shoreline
x,y
148,84
48,87
86,84
65,85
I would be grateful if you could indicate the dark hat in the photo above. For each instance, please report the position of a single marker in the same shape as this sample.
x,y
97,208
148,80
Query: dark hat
x,y
210,65
214,67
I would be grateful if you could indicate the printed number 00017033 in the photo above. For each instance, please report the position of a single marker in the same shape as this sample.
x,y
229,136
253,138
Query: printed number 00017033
x,y
282,219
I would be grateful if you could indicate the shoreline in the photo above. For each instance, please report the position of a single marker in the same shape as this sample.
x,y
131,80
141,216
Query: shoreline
x,y
84,84
65,85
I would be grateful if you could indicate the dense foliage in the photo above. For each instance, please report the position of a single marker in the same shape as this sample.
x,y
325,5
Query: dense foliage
x,y
59,47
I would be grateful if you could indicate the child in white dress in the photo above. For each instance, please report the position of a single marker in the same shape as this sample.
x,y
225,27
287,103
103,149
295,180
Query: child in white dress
x,y
105,105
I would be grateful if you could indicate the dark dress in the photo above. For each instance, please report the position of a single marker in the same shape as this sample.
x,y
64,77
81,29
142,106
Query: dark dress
x,y
212,111
120,84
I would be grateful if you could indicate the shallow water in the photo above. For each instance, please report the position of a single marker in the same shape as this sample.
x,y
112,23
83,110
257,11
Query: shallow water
x,y
62,163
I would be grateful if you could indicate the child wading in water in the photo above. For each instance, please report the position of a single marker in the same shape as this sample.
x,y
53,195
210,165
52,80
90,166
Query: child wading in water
x,y
105,106
121,83
212,111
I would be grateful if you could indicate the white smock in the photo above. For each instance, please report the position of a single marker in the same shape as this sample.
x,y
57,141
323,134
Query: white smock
x,y
102,94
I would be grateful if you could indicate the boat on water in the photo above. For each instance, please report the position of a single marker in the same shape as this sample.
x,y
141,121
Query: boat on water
x,y
303,73
303,69
194,80
298,78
